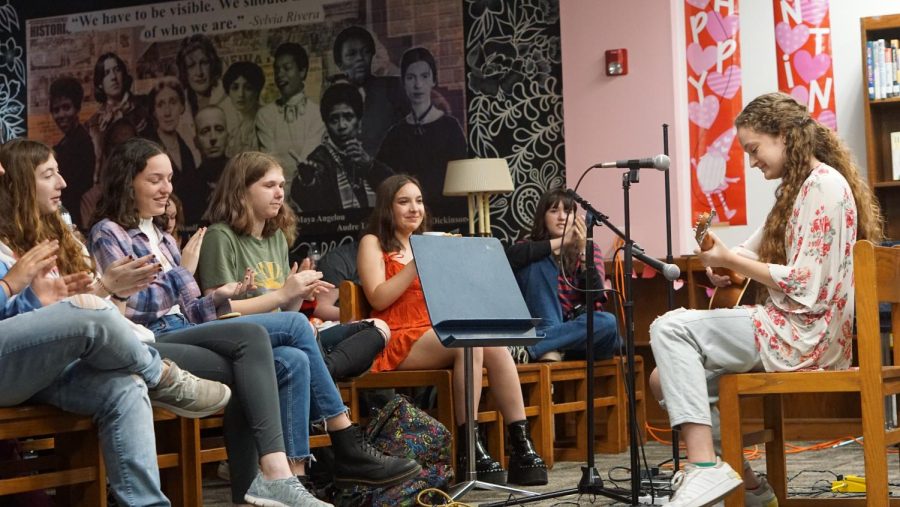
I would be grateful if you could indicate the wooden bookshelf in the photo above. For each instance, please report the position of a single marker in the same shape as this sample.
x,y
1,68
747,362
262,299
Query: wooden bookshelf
x,y
882,117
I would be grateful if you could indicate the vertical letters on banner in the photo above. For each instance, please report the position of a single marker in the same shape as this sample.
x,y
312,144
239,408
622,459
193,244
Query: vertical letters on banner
x,y
803,49
714,99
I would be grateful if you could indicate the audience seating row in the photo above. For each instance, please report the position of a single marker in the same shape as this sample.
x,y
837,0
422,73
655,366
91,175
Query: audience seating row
x,y
67,455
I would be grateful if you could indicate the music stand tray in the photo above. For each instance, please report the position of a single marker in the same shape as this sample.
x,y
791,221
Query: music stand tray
x,y
473,301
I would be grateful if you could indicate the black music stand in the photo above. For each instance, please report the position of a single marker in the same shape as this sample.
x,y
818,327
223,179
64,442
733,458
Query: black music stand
x,y
473,301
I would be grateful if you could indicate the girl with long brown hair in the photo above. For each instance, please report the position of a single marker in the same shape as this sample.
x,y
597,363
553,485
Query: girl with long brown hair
x,y
550,269
387,270
802,257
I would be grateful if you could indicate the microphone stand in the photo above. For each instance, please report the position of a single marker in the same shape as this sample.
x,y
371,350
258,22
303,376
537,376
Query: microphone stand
x,y
591,483
670,286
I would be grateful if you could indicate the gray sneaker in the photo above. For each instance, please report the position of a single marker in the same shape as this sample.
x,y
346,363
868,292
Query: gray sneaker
x,y
281,493
187,395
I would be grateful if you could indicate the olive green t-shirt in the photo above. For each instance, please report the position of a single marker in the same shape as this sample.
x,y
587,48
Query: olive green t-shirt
x,y
225,256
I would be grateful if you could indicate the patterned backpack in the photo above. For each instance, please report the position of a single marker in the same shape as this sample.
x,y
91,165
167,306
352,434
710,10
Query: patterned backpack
x,y
402,429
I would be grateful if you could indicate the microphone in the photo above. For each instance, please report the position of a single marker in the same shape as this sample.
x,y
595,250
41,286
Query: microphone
x,y
669,271
659,162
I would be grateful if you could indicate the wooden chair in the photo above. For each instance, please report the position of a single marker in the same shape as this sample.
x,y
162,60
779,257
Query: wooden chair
x,y
569,407
877,279
69,459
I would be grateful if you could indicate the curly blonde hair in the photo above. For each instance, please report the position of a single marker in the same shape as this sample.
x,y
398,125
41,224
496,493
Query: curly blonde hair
x,y
778,114
23,225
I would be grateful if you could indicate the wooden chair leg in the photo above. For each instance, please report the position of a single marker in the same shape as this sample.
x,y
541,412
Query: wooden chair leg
x,y
776,464
874,449
732,436
82,449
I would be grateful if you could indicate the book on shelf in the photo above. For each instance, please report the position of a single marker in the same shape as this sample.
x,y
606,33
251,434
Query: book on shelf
x,y
895,155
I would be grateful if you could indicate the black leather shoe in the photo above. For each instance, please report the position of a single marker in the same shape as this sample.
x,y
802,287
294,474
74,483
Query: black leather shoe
x,y
526,468
486,469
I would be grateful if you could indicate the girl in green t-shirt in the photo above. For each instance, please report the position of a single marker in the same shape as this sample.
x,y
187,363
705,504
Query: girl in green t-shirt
x,y
252,228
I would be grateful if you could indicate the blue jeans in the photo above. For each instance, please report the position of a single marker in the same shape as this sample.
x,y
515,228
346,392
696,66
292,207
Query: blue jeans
x,y
89,362
306,391
539,285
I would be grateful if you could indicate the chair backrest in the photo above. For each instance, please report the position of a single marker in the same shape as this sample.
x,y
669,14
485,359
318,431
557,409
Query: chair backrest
x,y
876,273
354,305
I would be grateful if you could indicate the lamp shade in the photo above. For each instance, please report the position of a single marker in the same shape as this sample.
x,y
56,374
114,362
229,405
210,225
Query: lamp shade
x,y
473,175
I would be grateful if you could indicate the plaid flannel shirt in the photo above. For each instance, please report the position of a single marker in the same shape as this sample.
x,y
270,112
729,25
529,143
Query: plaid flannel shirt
x,y
109,242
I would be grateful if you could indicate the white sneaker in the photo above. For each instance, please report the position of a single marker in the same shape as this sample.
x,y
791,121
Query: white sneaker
x,y
703,486
762,496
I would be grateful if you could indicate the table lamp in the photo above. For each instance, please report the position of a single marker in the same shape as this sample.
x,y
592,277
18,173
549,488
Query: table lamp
x,y
477,179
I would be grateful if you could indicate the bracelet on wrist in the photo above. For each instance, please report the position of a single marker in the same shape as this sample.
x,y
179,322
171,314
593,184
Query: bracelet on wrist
x,y
8,287
111,293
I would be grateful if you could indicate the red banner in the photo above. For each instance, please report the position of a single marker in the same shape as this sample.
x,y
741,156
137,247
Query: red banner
x,y
803,50
714,99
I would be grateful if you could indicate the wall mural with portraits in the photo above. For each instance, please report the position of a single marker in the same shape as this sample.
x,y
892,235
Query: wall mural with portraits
x,y
342,92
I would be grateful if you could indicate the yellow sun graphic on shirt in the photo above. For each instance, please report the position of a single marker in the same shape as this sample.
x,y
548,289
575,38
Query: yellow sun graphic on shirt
x,y
269,275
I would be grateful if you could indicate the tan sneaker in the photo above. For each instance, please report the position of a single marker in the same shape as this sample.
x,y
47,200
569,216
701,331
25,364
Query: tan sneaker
x,y
187,395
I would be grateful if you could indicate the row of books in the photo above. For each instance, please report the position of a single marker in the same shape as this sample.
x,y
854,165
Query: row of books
x,y
883,64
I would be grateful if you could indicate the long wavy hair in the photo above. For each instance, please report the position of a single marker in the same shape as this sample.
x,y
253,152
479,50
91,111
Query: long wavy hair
x,y
117,181
381,221
778,114
23,225
230,203
556,196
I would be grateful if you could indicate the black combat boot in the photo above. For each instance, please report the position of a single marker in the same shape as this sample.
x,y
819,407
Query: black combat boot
x,y
357,462
526,468
486,469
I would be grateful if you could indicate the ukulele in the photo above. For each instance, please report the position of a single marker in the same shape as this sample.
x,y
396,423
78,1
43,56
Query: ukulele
x,y
730,295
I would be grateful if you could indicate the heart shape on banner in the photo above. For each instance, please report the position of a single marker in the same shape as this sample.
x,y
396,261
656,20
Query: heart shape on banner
x,y
699,58
700,4
813,11
791,39
722,28
828,118
727,83
704,114
800,94
811,67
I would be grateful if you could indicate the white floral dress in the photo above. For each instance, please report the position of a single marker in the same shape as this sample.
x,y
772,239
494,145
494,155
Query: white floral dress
x,y
808,323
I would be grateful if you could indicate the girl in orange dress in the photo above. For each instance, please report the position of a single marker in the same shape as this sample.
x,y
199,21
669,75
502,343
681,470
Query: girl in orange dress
x,y
389,279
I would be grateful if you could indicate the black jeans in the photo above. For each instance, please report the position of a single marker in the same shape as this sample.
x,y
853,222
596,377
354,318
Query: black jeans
x,y
240,355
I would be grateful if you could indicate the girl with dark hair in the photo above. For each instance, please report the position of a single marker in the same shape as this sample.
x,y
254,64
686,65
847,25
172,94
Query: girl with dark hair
x,y
802,258
387,270
138,191
550,270
252,226
422,143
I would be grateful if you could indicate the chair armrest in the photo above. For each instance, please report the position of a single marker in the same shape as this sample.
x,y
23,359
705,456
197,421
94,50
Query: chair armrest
x,y
354,305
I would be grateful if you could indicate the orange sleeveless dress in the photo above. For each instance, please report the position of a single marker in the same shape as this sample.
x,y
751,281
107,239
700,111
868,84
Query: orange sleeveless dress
x,y
407,317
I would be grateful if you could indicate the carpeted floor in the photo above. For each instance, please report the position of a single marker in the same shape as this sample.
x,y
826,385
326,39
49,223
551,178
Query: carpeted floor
x,y
811,473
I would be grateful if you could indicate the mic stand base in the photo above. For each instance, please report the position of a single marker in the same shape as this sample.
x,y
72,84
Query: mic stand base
x,y
590,484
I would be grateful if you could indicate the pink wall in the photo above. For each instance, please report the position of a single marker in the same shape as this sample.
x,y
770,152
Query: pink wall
x,y
611,118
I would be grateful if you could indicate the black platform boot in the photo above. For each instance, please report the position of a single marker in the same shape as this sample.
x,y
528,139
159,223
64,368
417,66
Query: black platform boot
x,y
526,468
486,469
357,462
